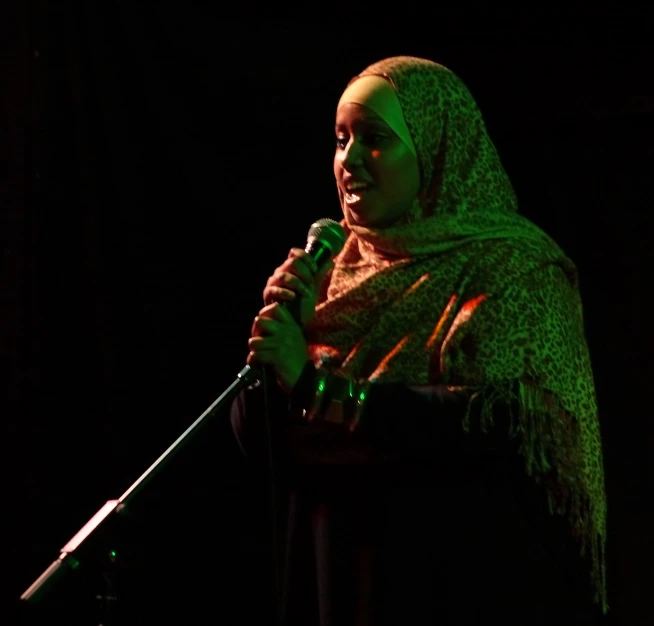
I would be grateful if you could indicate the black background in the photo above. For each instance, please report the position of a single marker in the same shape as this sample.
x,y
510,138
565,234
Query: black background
x,y
159,160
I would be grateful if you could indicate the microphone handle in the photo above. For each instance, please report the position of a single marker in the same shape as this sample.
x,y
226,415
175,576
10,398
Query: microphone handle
x,y
321,253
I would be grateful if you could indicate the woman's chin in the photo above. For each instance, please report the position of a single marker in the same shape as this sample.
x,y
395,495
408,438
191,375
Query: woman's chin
x,y
353,218
365,220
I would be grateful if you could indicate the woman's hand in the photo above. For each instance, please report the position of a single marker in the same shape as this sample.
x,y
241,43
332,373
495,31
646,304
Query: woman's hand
x,y
297,277
277,340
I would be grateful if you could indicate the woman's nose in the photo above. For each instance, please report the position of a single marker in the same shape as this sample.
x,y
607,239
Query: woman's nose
x,y
353,154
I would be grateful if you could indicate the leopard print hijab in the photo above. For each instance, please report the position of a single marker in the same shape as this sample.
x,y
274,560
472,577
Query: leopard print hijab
x,y
466,292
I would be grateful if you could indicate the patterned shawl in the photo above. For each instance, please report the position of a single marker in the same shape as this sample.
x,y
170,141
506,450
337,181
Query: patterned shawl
x,y
464,291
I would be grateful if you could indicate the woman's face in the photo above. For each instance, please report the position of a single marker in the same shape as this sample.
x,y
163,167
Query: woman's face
x,y
376,172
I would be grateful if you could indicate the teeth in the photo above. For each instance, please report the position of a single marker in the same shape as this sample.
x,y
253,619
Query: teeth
x,y
357,185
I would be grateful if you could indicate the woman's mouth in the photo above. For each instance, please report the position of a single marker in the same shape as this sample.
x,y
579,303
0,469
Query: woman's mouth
x,y
355,191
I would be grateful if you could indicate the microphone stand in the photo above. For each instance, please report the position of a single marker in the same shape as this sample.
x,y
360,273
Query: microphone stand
x,y
70,556
325,239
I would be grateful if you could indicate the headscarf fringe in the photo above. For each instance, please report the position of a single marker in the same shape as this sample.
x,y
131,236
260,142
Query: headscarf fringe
x,y
550,446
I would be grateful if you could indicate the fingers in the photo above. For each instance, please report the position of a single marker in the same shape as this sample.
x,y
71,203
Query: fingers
x,y
277,340
298,274
303,260
273,294
264,349
270,318
259,345
275,311
263,326
283,286
260,357
299,264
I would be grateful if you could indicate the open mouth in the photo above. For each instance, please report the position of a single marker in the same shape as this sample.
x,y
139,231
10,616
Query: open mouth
x,y
355,191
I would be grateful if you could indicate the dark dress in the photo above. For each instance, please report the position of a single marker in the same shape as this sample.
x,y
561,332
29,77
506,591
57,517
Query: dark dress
x,y
412,521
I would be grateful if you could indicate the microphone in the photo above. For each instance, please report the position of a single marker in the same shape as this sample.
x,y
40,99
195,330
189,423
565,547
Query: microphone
x,y
325,240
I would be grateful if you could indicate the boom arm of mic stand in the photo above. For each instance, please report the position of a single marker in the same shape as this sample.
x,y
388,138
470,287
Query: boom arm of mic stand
x,y
67,558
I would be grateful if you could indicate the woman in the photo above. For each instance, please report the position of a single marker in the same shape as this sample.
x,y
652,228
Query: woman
x,y
441,449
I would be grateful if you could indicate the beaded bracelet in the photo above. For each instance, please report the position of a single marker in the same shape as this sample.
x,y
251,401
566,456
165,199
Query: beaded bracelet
x,y
340,391
320,385
337,399
360,397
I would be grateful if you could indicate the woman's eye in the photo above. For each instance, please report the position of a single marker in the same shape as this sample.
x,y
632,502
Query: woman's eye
x,y
371,139
374,139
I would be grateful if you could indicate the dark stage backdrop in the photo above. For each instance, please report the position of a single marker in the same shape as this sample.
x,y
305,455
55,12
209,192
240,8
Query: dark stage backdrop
x,y
158,161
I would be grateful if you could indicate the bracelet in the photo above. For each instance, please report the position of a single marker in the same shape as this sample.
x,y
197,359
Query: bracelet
x,y
340,391
362,391
337,399
320,385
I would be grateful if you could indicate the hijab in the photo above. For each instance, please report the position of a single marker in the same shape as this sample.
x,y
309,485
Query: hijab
x,y
464,291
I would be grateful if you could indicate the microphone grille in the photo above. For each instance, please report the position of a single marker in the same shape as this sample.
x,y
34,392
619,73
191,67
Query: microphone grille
x,y
328,232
